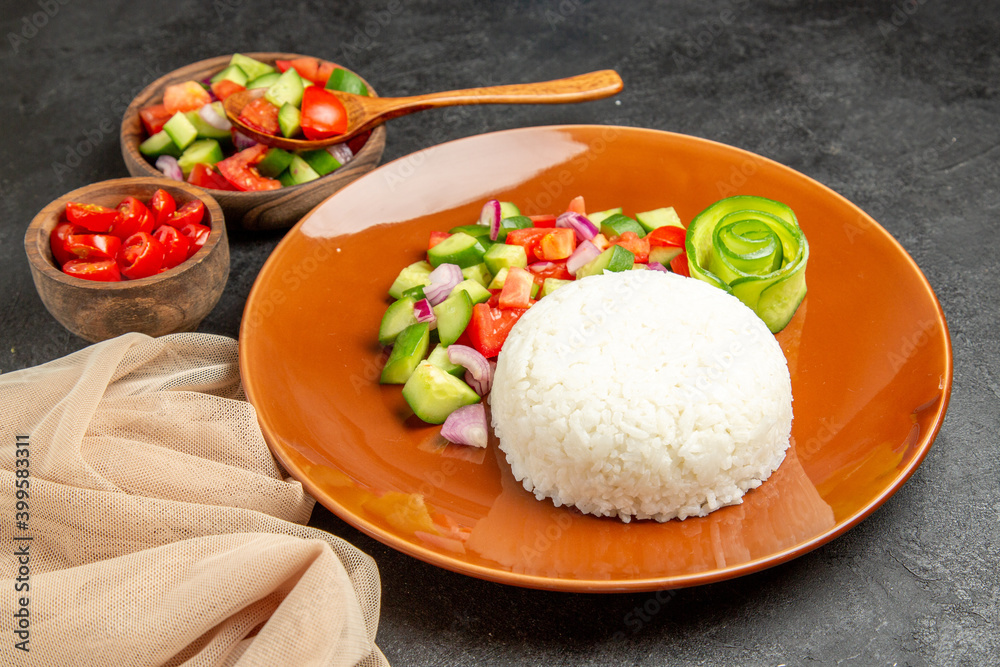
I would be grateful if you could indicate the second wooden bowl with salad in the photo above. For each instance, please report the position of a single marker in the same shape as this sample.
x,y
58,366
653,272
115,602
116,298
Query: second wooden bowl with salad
x,y
254,210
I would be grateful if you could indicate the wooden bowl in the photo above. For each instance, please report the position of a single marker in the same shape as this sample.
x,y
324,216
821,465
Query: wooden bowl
x,y
273,209
175,300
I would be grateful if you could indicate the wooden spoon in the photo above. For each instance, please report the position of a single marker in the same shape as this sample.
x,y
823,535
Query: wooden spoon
x,y
364,113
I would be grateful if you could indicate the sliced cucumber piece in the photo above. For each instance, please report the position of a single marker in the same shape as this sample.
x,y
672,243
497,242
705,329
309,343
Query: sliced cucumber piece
x,y
289,120
300,171
204,130
348,82
509,210
499,279
252,67
663,255
460,249
439,357
181,131
159,144
275,161
513,222
321,161
204,151
397,317
617,224
477,292
479,273
615,258
416,274
503,256
659,217
550,285
433,394
286,90
408,351
232,73
600,216
453,315
263,81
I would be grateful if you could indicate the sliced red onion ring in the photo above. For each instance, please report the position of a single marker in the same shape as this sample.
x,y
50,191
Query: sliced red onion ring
x,y
466,426
342,153
168,165
479,373
424,312
443,281
490,215
656,266
584,228
585,252
241,141
214,118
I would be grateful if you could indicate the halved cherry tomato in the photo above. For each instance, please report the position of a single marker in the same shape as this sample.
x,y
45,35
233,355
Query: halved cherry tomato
x,y
133,216
577,206
667,236
94,247
679,265
559,243
192,212
154,117
488,327
543,220
140,256
529,239
261,115
104,271
185,96
436,237
240,170
175,245
204,176
322,114
197,235
223,88
59,241
163,206
92,216
637,246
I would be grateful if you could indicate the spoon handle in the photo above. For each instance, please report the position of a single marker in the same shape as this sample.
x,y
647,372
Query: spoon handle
x,y
580,88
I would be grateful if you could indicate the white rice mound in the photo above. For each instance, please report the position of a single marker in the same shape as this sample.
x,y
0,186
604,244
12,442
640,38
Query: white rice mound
x,y
641,394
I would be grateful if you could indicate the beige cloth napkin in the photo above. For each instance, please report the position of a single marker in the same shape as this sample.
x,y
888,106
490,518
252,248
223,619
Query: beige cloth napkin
x,y
154,526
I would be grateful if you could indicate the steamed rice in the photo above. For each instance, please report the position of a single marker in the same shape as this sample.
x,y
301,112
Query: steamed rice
x,y
641,394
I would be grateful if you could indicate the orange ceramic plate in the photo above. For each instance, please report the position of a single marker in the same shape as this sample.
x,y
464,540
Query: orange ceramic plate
x,y
868,351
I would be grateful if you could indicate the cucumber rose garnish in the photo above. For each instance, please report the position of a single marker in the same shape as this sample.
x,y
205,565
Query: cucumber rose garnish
x,y
753,248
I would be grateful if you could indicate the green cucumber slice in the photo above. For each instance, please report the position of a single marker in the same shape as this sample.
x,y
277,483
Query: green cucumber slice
x,y
615,258
479,273
503,256
460,249
660,217
232,73
397,317
408,351
300,171
477,292
252,67
321,161
275,161
289,120
263,81
416,274
204,151
204,130
439,357
617,224
348,82
433,394
513,222
509,210
286,90
550,285
453,315
159,144
600,216
181,131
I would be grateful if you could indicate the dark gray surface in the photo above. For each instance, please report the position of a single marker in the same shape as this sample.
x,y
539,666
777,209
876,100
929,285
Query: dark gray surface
x,y
894,105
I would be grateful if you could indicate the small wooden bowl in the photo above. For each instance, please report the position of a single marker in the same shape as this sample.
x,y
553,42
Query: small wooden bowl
x,y
273,209
175,300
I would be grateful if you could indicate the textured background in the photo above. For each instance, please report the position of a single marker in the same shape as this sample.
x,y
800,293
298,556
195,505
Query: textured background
x,y
892,104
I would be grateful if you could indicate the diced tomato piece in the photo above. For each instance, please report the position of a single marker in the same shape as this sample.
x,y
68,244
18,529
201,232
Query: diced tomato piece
x,y
240,170
312,69
224,88
92,216
133,216
94,247
186,96
175,245
637,246
190,213
577,206
59,241
323,72
436,237
543,220
489,327
516,292
283,65
667,236
106,271
154,118
140,256
262,116
163,206
323,115
543,270
204,176
679,265
197,235
559,243
529,239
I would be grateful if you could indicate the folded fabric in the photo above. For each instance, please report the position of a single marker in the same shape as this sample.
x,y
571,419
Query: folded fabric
x,y
145,521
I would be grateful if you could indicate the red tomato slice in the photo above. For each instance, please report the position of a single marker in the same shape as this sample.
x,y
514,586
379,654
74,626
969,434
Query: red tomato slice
x,y
311,69
679,265
140,256
322,114
59,241
163,206
436,237
186,96
577,206
175,245
262,116
93,217
106,271
557,244
638,247
197,235
240,170
133,216
154,117
543,270
190,213
323,72
489,327
543,220
516,292
94,247
204,176
668,236
529,239
224,88
283,65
